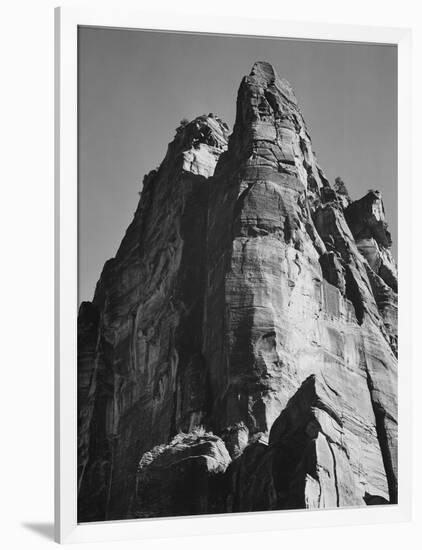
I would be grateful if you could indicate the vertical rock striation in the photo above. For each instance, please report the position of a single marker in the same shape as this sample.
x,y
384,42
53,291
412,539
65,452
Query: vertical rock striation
x,y
148,376
252,307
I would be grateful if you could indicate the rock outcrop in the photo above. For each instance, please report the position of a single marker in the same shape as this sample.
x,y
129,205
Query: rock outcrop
x,y
148,375
240,352
181,478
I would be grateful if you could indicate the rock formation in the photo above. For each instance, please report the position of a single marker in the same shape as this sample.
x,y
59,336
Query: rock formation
x,y
240,352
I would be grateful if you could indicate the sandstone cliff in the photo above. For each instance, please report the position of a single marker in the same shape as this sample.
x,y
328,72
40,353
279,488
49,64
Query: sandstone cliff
x,y
240,352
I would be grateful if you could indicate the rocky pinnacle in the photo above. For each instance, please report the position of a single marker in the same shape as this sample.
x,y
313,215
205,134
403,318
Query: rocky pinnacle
x,y
240,352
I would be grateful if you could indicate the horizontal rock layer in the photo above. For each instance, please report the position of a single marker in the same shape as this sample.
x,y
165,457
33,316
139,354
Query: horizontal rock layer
x,y
252,309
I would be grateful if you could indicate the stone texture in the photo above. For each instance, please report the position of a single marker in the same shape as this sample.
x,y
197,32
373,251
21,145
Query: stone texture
x,y
250,298
312,461
181,478
147,372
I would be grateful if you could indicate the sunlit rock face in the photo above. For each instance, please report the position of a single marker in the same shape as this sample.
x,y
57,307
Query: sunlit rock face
x,y
253,301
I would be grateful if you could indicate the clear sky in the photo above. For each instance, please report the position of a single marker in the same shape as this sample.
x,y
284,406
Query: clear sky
x,y
135,87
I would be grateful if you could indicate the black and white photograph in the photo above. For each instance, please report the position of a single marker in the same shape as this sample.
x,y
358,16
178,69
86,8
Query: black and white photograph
x,y
237,274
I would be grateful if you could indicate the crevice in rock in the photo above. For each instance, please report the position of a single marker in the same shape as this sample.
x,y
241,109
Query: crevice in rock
x,y
269,96
380,417
334,471
354,295
287,229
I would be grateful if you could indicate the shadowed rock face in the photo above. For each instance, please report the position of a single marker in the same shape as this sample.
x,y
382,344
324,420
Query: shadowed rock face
x,y
148,374
251,299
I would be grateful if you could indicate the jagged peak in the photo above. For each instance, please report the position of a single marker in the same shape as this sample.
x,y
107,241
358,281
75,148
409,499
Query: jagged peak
x,y
268,118
239,303
208,129
264,73
199,142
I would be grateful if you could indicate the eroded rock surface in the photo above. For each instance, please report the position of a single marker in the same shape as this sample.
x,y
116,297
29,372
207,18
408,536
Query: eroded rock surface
x,y
181,478
251,308
148,374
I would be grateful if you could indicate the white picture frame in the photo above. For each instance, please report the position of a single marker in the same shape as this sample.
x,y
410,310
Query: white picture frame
x,y
67,530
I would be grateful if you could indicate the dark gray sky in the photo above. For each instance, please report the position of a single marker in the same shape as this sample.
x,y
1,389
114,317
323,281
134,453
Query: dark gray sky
x,y
135,87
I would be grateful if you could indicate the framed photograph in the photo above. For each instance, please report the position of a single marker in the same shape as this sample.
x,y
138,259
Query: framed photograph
x,y
232,347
